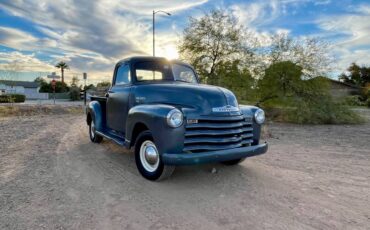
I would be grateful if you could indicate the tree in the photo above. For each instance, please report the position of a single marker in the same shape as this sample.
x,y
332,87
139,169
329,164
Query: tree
x,y
62,66
74,81
103,84
311,54
282,81
211,40
237,79
39,80
359,76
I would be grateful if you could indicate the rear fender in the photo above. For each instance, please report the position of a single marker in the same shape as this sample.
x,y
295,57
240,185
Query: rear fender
x,y
95,111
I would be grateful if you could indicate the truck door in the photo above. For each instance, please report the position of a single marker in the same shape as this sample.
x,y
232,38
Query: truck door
x,y
118,99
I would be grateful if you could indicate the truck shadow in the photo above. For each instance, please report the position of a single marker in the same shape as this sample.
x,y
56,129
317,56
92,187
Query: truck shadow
x,y
205,174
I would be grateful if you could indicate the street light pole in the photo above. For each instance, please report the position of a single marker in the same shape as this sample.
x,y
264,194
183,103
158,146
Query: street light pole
x,y
154,12
153,33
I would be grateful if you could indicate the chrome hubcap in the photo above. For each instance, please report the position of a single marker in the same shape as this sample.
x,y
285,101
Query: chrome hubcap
x,y
149,156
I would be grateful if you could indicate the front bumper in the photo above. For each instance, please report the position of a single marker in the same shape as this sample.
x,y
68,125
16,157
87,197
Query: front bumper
x,y
213,156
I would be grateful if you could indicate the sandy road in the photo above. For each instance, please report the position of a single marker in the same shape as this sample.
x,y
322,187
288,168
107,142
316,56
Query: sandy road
x,y
52,177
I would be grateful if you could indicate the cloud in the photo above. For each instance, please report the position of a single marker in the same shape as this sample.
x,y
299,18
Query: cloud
x,y
352,33
91,35
16,39
24,62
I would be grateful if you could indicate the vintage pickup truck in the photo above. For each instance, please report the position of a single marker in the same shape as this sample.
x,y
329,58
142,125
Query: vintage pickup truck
x,y
159,108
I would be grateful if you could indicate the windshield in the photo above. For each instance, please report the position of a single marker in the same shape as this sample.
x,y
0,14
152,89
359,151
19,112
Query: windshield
x,y
183,73
158,71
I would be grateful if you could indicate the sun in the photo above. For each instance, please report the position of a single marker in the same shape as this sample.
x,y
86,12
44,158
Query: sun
x,y
170,52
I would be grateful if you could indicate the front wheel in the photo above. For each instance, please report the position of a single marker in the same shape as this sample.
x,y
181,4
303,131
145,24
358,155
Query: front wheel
x,y
148,159
92,132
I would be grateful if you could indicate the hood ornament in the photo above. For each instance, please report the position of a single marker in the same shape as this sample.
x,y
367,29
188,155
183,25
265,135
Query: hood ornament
x,y
226,108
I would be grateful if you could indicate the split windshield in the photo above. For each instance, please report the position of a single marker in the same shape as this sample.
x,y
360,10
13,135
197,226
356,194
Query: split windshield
x,y
157,71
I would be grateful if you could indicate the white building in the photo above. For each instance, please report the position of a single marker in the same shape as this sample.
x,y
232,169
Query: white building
x,y
27,88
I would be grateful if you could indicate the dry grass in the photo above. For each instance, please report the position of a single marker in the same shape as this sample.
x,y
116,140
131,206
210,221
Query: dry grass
x,y
34,110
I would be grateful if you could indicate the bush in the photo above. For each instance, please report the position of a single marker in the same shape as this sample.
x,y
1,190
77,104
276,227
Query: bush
x,y
323,111
4,98
15,98
74,93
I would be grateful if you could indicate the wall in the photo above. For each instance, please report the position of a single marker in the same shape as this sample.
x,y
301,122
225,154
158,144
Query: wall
x,y
12,89
33,93
338,90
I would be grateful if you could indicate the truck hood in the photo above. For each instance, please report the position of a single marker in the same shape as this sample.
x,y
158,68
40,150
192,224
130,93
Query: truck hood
x,y
199,99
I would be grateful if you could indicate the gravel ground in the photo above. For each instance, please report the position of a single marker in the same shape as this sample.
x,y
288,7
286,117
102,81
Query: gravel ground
x,y
52,177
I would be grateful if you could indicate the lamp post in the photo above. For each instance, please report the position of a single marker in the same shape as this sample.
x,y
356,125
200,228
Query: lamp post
x,y
154,12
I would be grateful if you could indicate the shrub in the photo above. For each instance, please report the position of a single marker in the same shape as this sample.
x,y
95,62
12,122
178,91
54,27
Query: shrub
x,y
74,93
4,98
15,98
322,111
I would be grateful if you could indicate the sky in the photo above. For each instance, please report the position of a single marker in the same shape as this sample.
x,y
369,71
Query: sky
x,y
91,36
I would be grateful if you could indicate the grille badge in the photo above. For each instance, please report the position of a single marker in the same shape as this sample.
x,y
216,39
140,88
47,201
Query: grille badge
x,y
226,108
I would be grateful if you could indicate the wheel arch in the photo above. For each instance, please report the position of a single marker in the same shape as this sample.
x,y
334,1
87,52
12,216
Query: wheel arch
x,y
139,127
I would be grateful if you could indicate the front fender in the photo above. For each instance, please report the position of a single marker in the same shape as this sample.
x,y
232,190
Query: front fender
x,y
96,113
249,110
153,116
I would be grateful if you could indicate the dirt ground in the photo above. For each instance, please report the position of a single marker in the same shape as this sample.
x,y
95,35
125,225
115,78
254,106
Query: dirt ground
x,y
52,177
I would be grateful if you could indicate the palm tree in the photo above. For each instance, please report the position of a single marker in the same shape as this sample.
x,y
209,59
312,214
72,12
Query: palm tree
x,y
62,66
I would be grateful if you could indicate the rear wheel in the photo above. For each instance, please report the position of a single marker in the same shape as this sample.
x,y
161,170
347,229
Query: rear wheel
x,y
92,132
233,162
148,159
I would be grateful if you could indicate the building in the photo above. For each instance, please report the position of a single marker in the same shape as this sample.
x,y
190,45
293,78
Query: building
x,y
340,89
27,88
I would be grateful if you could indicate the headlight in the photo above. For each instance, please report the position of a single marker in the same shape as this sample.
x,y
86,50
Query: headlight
x,y
259,116
175,118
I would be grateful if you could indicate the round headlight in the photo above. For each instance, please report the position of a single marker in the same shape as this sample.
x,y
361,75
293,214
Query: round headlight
x,y
259,116
175,118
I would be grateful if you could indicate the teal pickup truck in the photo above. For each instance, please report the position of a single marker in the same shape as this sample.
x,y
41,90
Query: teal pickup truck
x,y
159,108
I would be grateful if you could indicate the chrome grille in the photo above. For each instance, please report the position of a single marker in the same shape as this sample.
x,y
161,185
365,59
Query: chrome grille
x,y
217,133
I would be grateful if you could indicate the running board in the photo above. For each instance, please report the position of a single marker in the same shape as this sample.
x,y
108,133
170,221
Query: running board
x,y
114,138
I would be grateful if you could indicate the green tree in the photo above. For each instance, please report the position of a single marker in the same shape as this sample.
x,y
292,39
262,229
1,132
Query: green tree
x,y
103,84
62,66
237,79
281,81
357,75
211,40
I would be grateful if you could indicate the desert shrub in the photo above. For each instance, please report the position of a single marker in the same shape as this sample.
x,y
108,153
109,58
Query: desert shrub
x,y
15,98
322,111
354,100
289,97
74,93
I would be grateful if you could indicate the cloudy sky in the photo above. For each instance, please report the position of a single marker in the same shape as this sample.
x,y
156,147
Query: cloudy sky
x,y
91,36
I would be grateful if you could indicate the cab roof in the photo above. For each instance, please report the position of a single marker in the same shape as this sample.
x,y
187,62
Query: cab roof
x,y
135,59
